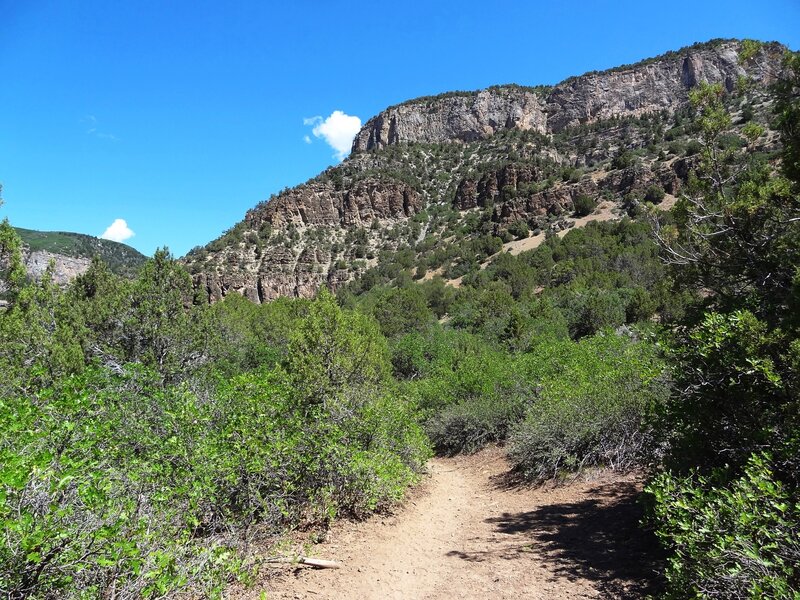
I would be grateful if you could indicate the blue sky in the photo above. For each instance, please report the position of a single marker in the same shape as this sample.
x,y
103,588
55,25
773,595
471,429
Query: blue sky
x,y
178,116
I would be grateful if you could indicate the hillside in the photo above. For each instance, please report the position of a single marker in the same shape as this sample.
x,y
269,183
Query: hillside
x,y
73,252
439,184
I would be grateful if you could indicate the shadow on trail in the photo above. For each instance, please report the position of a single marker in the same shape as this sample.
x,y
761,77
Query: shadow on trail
x,y
596,538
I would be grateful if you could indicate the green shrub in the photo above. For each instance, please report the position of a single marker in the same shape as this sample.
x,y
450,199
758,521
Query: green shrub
x,y
584,205
402,310
471,425
118,485
623,160
469,395
676,148
693,147
591,410
655,194
728,540
519,229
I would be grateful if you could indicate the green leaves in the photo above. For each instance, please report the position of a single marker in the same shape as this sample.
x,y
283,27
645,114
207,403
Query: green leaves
x,y
12,271
725,508
332,350
729,539
592,408
125,478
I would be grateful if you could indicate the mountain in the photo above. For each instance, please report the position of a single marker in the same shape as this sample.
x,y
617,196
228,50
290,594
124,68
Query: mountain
x,y
72,254
436,185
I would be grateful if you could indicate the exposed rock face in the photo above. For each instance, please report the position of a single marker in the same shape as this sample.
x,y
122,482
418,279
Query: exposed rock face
x,y
661,84
506,152
462,118
299,268
491,186
322,204
66,268
561,199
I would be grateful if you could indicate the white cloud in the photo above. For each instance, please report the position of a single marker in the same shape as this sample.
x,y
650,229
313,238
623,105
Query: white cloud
x,y
118,231
306,139
338,130
91,120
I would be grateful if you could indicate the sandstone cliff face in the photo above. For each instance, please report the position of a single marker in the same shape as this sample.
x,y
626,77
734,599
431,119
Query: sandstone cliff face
x,y
323,204
501,152
65,268
661,84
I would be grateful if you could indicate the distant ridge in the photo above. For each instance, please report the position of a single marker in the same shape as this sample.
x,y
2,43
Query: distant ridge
x,y
120,258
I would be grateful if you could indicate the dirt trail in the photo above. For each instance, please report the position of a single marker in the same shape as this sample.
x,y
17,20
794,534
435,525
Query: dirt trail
x,y
468,533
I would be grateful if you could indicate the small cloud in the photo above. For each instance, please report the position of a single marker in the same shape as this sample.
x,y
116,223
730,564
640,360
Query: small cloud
x,y
306,139
91,121
118,231
338,131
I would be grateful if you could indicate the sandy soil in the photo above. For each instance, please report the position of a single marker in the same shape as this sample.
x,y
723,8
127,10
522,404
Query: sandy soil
x,y
469,532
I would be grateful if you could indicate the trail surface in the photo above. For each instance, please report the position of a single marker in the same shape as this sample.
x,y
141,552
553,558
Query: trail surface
x,y
467,532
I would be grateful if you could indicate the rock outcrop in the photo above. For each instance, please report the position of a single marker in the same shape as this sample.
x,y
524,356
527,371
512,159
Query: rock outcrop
x,y
322,204
298,267
65,268
658,84
458,117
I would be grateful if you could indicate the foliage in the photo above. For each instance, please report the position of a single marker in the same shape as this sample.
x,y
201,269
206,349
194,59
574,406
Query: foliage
x,y
788,113
741,243
471,395
654,194
519,229
726,504
12,271
145,443
591,408
402,310
737,540
331,351
584,205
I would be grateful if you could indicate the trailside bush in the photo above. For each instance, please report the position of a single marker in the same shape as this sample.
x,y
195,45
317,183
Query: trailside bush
x,y
593,399
469,395
117,485
736,540
122,484
470,425
100,493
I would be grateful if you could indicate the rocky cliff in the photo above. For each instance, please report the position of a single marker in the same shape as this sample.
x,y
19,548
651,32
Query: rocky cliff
x,y
65,268
469,165
654,85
